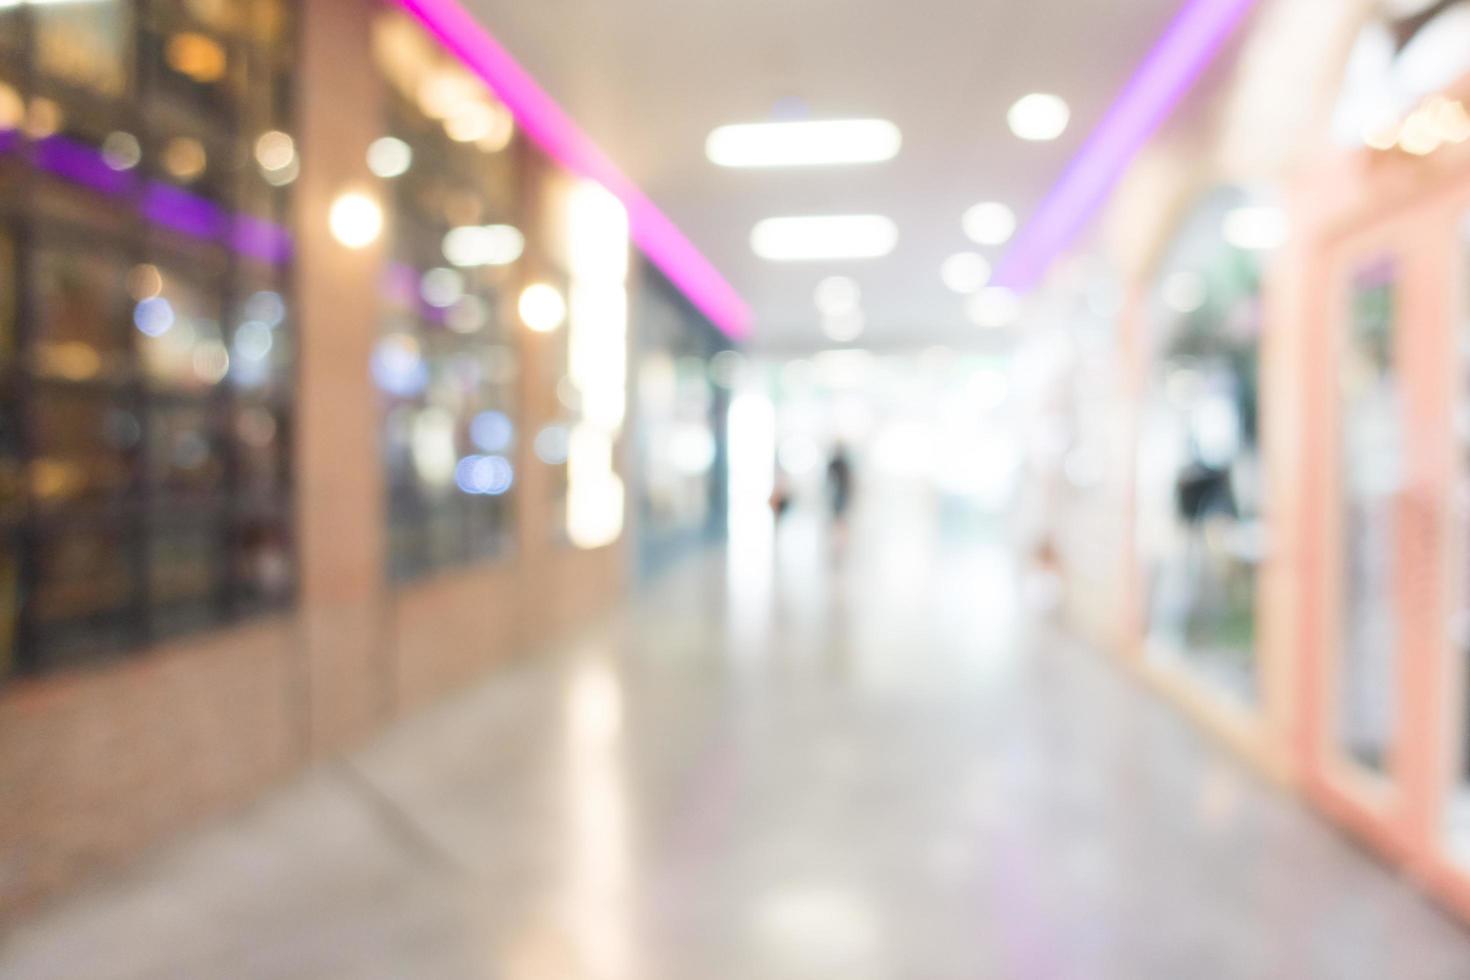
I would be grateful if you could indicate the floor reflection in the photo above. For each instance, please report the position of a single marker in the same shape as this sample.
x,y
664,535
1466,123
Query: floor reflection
x,y
800,757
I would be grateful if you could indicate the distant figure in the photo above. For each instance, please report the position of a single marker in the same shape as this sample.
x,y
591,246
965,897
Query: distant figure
x,y
780,496
839,482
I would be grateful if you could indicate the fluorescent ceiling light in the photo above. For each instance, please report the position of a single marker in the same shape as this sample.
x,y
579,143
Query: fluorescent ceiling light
x,y
807,239
804,144
989,223
1039,117
1171,69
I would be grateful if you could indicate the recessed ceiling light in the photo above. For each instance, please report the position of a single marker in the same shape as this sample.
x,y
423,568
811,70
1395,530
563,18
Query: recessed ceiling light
x,y
841,236
1039,117
993,307
1256,228
837,296
965,272
804,144
989,223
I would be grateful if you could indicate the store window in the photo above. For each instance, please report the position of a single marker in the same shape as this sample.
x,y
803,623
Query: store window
x,y
446,362
1199,478
1370,473
145,326
678,436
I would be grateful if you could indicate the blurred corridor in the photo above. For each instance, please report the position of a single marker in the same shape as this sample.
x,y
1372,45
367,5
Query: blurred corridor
x,y
682,489
793,760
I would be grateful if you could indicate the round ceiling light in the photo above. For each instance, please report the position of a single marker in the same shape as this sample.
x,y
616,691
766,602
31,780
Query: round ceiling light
x,y
989,223
1039,117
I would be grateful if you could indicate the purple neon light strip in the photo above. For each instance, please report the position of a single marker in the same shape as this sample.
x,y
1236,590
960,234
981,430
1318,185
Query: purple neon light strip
x,y
1171,69
161,204
550,128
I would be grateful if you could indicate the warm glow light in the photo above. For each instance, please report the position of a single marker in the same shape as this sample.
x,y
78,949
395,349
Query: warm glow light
x,y
594,490
184,158
965,272
389,157
804,144
542,307
476,245
597,361
989,223
275,150
829,237
198,56
1256,229
597,352
597,234
1039,117
477,121
12,107
356,220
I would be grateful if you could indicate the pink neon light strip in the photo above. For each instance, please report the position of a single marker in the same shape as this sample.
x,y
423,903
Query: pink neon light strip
x,y
550,128
1187,48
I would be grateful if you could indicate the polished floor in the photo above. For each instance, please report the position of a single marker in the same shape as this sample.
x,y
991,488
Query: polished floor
x,y
807,758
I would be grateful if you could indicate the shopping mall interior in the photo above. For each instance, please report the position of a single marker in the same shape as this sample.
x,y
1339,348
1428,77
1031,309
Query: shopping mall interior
x,y
566,489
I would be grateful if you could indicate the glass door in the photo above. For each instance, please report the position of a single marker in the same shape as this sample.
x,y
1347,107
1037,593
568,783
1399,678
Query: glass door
x,y
1370,478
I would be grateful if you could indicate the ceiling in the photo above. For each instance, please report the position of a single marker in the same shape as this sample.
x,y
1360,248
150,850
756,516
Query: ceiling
x,y
649,79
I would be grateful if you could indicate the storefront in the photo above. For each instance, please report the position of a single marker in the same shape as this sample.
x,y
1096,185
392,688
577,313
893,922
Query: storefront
x,y
1293,362
682,397
314,371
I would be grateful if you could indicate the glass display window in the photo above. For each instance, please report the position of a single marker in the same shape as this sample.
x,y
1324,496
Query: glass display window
x,y
445,361
1200,531
146,331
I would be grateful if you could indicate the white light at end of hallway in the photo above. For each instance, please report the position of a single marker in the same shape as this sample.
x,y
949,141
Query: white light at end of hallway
x,y
844,328
827,237
1039,117
356,220
837,296
989,223
389,157
542,307
1256,228
993,307
1185,292
965,272
804,144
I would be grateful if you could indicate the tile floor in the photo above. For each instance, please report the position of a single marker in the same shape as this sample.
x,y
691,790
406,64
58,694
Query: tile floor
x,y
804,759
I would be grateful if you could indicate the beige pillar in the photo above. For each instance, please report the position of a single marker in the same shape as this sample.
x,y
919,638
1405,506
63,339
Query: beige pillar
x,y
339,472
